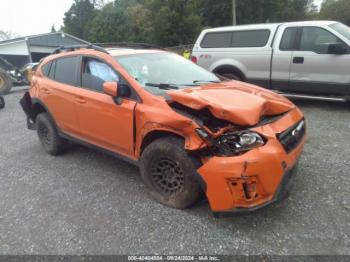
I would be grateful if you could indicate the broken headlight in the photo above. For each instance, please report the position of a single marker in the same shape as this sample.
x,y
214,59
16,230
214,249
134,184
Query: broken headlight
x,y
242,141
234,143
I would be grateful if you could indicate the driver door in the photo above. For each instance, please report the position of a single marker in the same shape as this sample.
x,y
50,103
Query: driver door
x,y
313,69
102,122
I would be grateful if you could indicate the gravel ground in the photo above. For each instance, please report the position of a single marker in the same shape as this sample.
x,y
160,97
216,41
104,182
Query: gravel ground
x,y
85,202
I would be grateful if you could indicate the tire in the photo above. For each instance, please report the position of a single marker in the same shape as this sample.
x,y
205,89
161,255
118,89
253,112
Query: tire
x,y
169,173
48,135
2,102
232,76
5,83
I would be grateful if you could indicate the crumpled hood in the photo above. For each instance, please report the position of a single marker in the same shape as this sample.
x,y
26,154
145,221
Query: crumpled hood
x,y
237,102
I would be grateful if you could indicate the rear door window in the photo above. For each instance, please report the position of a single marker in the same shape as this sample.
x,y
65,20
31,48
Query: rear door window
x,y
289,39
66,70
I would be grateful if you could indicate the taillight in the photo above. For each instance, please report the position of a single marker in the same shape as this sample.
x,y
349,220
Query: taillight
x,y
194,59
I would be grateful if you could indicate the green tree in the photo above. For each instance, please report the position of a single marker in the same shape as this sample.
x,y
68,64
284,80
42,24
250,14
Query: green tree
x,y
337,10
140,23
77,19
219,12
171,22
174,22
215,13
110,25
261,11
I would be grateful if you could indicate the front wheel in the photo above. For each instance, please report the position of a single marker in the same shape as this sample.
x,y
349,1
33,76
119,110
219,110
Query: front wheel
x,y
169,173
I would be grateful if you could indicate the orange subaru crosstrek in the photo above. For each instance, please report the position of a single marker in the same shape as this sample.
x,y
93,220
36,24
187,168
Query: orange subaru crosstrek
x,y
188,131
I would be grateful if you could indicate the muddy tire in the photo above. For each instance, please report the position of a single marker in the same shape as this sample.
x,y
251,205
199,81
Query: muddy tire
x,y
169,173
5,83
48,135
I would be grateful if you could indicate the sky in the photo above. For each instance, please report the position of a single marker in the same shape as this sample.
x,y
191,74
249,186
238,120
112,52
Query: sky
x,y
29,17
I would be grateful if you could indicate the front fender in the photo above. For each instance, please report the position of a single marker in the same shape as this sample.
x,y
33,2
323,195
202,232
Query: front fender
x,y
192,141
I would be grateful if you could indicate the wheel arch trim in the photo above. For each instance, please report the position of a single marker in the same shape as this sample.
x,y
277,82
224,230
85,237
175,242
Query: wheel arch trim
x,y
155,134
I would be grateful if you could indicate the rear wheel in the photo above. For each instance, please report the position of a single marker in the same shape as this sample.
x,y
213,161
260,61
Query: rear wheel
x,y
5,83
169,173
48,135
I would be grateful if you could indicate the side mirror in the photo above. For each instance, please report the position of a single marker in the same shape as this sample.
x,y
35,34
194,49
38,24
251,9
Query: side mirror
x,y
110,88
336,49
117,91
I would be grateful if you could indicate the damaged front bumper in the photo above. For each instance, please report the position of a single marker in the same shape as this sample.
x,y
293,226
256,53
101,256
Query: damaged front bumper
x,y
257,178
282,193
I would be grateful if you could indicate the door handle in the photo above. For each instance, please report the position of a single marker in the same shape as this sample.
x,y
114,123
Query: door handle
x,y
80,100
298,60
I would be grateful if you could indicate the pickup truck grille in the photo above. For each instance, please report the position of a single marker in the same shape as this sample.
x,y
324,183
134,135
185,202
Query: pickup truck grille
x,y
291,138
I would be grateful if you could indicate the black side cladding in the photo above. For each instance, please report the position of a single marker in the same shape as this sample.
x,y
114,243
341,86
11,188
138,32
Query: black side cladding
x,y
27,106
2,102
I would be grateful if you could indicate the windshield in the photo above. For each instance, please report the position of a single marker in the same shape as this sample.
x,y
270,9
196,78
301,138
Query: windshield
x,y
341,29
158,72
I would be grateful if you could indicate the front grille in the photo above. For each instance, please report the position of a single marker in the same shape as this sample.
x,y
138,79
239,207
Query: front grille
x,y
291,138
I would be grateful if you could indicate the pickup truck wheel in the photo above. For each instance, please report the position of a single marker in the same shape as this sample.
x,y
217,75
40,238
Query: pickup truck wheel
x,y
5,83
48,135
232,76
169,173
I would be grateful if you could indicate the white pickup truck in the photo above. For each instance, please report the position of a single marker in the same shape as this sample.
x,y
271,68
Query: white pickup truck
x,y
301,59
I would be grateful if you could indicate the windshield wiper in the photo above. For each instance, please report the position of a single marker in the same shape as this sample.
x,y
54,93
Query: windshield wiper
x,y
205,81
169,86
163,86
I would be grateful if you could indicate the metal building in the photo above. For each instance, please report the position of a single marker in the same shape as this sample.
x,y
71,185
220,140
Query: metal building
x,y
28,49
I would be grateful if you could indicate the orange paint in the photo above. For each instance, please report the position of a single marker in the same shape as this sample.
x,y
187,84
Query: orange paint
x,y
96,118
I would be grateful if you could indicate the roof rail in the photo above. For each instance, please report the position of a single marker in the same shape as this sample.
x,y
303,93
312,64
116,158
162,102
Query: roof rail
x,y
130,45
70,48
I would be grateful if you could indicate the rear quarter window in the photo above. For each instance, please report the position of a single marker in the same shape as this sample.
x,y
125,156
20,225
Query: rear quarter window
x,y
46,69
235,39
